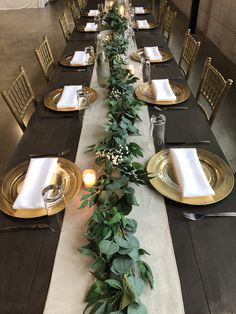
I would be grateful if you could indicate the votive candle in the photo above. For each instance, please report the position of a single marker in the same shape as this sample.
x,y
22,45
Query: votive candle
x,y
89,178
131,69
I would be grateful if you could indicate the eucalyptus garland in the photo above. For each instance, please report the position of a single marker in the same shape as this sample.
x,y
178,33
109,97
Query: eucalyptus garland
x,y
117,265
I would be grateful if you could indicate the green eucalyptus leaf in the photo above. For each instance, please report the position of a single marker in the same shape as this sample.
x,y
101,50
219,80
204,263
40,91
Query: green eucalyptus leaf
x,y
137,285
137,309
122,242
108,247
122,264
134,254
114,284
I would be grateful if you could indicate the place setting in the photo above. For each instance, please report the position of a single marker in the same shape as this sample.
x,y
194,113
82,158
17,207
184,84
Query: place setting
x,y
142,10
156,54
81,58
144,25
193,176
41,186
162,92
70,98
91,27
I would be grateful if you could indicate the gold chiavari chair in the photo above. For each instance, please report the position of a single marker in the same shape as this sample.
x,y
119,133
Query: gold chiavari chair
x,y
162,12
75,13
168,23
45,57
19,97
213,88
65,26
189,53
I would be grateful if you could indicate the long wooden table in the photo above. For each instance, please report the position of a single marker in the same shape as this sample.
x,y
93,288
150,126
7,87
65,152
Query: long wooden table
x,y
205,251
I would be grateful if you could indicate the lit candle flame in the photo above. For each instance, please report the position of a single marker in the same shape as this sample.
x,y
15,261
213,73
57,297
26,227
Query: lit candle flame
x,y
89,178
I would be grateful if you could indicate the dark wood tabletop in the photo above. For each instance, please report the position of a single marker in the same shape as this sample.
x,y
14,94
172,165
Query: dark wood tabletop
x,y
205,251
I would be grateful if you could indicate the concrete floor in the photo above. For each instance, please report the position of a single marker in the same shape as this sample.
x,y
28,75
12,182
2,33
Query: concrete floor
x,y
21,32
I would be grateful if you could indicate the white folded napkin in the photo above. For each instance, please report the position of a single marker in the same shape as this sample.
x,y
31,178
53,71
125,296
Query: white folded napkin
x,y
90,27
189,173
38,176
79,57
93,13
162,90
138,10
142,24
153,53
69,97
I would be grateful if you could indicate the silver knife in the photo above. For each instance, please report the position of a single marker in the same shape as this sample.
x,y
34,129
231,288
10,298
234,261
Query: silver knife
x,y
25,227
57,154
191,143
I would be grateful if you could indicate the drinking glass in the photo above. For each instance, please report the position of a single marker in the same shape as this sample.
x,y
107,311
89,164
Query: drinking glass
x,y
157,130
53,194
101,8
90,55
97,20
83,98
147,72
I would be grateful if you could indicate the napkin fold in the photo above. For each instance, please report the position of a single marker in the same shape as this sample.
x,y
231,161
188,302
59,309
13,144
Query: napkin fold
x,y
142,24
38,176
79,57
138,10
162,90
90,27
93,13
153,53
189,173
69,97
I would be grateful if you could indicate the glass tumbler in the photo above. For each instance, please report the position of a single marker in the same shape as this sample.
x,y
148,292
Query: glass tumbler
x,y
89,52
53,194
157,130
83,100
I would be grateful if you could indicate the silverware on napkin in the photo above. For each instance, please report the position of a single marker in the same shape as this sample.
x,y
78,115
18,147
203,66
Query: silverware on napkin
x,y
56,154
25,227
187,143
196,216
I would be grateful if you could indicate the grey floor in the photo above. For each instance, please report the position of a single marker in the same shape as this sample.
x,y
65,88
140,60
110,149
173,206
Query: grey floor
x,y
21,32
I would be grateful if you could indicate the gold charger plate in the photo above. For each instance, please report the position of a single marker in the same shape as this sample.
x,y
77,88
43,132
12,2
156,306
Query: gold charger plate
x,y
217,171
166,55
12,181
151,25
81,28
51,100
66,59
144,92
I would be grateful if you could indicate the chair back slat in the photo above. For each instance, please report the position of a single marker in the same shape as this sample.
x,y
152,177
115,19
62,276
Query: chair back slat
x,y
168,23
45,57
19,96
65,26
213,88
75,13
189,53
162,12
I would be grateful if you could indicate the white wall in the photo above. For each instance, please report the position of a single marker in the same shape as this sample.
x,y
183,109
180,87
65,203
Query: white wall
x,y
217,19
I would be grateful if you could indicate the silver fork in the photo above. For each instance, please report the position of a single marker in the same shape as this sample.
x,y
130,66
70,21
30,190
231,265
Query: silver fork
x,y
170,108
195,216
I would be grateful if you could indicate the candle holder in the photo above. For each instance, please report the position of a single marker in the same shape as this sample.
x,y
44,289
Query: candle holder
x,y
89,178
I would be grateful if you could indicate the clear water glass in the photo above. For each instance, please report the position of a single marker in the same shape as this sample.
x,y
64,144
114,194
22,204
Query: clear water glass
x,y
53,194
101,8
90,54
157,130
147,68
83,98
